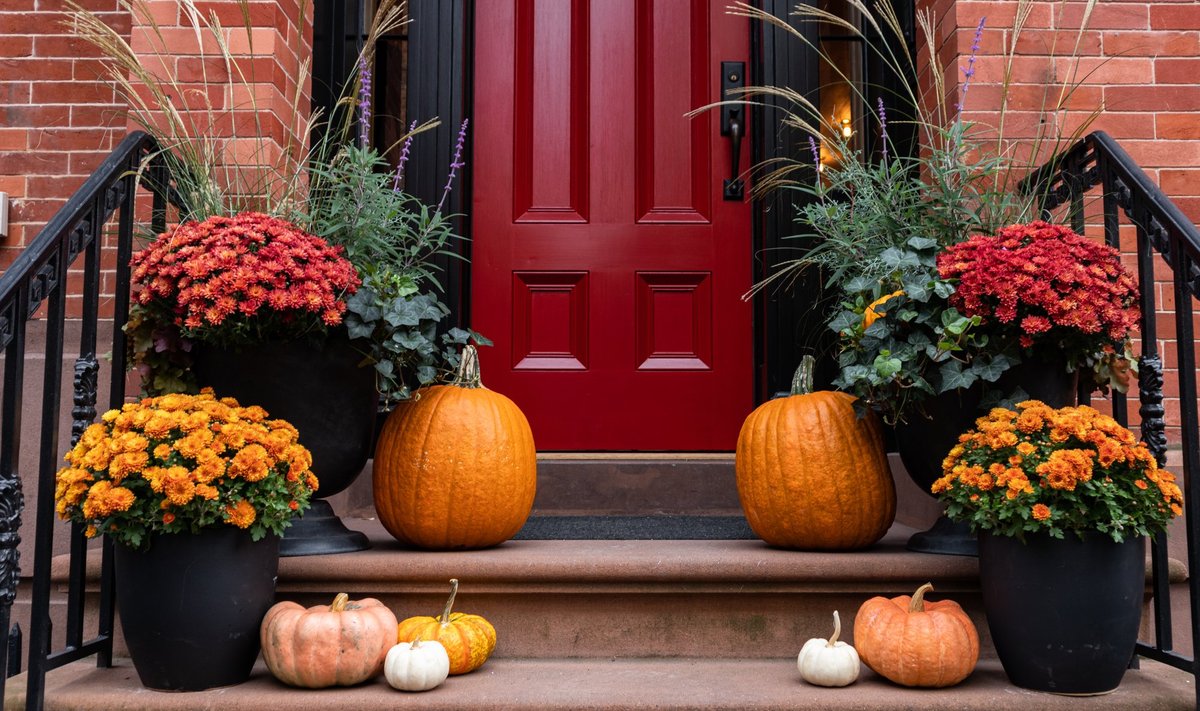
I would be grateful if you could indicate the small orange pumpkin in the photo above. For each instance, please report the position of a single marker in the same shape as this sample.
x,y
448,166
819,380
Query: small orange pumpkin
x,y
468,639
811,473
341,644
456,467
915,642
873,312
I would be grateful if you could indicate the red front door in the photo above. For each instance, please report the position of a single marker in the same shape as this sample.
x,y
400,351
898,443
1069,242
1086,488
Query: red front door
x,y
606,264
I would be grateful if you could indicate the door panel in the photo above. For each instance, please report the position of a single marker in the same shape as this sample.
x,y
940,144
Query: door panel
x,y
606,265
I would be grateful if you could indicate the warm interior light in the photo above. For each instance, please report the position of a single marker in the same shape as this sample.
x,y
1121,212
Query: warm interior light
x,y
847,130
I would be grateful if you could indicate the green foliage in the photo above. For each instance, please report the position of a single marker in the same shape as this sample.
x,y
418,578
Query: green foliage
x,y
400,324
392,238
352,202
870,223
157,352
858,218
920,345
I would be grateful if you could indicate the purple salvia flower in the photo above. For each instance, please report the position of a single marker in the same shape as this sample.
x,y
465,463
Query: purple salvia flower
x,y
969,72
364,102
398,179
816,153
455,164
883,130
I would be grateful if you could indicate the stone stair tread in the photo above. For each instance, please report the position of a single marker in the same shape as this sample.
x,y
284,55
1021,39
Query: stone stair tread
x,y
606,685
884,566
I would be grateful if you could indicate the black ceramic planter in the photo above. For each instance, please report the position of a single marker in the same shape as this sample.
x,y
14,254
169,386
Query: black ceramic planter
x,y
330,400
923,442
191,605
1063,614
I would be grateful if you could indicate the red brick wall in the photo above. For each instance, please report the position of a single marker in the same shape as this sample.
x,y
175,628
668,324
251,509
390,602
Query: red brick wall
x,y
59,117
1138,62
57,121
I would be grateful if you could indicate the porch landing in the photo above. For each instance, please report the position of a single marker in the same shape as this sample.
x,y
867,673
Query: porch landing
x,y
614,684
623,624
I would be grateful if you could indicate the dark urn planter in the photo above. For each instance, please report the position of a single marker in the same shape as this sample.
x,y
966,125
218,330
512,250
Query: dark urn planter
x,y
191,605
1063,614
923,442
332,402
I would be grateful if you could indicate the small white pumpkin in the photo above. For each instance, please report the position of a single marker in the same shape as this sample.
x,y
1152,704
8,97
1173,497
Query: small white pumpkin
x,y
416,666
828,662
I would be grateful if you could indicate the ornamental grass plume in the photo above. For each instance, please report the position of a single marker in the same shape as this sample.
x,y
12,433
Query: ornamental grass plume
x,y
181,464
1074,470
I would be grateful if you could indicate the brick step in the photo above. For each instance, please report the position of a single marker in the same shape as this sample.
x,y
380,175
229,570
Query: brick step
x,y
617,683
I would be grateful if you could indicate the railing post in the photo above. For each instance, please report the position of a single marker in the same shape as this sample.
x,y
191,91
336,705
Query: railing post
x,y
12,499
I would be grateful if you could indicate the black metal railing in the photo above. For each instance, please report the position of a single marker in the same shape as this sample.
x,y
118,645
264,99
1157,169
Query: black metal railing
x,y
39,276
37,279
1163,232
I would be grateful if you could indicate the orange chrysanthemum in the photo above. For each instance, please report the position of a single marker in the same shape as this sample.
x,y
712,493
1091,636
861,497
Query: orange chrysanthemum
x,y
182,458
1071,468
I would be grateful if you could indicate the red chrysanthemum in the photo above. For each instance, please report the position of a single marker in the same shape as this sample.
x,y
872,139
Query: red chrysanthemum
x,y
238,269
1048,283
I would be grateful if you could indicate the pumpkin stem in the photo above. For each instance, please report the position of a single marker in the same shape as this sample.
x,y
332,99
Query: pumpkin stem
x,y
917,603
416,643
339,602
468,369
837,629
450,602
802,382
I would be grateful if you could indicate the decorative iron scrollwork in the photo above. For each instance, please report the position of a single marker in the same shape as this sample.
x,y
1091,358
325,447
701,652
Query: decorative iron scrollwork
x,y
79,239
8,317
12,502
42,283
87,372
1150,392
1122,193
1158,236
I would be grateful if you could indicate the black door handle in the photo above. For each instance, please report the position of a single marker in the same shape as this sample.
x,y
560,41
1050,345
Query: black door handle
x,y
733,124
733,186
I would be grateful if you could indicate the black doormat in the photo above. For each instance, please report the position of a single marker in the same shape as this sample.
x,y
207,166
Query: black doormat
x,y
635,528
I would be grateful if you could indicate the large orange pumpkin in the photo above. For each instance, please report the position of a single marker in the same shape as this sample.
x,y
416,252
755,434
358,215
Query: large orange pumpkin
x,y
328,645
813,475
915,642
468,639
456,467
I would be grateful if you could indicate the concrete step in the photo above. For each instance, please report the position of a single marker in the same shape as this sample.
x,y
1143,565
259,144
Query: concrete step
x,y
641,484
645,598
617,683
632,598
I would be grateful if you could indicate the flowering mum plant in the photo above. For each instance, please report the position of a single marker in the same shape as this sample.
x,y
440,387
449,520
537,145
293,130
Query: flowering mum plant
x,y
1046,287
182,463
233,281
1036,469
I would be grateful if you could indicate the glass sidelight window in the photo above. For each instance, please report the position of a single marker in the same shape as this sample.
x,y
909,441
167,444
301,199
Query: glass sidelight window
x,y
339,29
841,77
